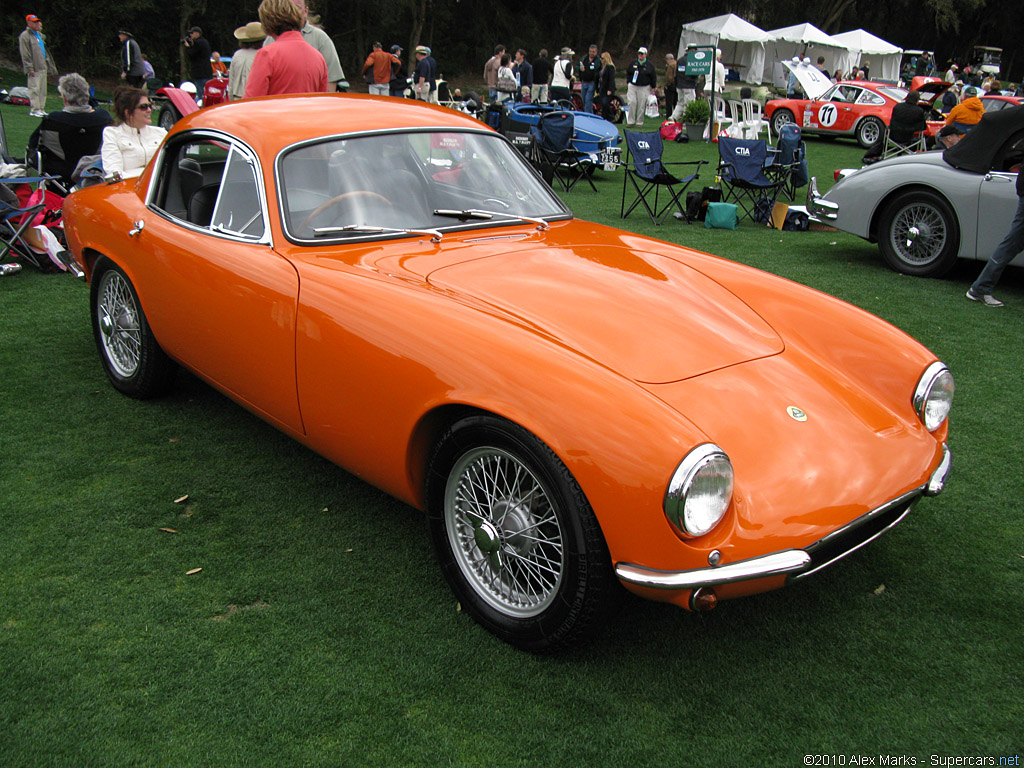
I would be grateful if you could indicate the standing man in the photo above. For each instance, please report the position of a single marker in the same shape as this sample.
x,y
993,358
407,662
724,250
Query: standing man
x,y
641,77
36,62
1004,253
198,51
541,78
380,65
396,88
133,70
524,75
421,76
671,94
562,76
686,87
589,72
491,73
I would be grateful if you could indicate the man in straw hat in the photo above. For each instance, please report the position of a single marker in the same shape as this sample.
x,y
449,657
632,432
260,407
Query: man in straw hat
x,y
250,38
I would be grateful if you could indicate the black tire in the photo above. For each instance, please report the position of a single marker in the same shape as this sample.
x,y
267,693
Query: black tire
x,y
542,592
131,356
169,115
615,113
780,118
869,131
919,234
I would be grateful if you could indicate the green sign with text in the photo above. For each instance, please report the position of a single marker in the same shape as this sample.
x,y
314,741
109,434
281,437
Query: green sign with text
x,y
699,60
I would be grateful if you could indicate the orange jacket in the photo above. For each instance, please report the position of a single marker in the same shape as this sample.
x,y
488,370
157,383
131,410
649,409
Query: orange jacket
x,y
967,112
381,63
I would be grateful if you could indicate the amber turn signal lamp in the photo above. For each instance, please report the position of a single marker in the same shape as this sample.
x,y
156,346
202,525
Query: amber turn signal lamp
x,y
704,599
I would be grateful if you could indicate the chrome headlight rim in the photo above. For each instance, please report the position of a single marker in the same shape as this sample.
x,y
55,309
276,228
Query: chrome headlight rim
x,y
690,469
936,379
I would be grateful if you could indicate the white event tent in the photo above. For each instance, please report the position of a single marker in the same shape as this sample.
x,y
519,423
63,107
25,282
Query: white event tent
x,y
884,57
804,40
742,44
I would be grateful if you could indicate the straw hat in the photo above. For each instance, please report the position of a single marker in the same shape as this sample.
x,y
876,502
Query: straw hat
x,y
250,33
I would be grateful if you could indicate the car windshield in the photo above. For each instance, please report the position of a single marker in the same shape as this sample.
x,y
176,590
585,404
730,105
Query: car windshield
x,y
383,185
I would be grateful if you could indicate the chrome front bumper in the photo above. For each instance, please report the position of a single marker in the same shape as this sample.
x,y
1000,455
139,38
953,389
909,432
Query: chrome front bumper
x,y
820,208
795,563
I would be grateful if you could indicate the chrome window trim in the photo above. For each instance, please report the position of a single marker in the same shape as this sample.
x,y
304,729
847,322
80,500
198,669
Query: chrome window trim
x,y
233,143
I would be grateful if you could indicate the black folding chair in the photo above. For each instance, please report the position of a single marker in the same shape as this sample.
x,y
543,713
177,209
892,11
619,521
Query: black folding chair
x,y
788,161
647,172
61,146
741,166
15,221
553,152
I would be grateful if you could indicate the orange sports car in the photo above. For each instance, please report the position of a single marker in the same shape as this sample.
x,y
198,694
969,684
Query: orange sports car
x,y
574,407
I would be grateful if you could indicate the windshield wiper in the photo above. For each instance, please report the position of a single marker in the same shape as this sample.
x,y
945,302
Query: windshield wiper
x,y
477,213
434,234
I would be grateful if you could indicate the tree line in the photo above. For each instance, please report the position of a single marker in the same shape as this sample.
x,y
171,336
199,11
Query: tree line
x,y
462,33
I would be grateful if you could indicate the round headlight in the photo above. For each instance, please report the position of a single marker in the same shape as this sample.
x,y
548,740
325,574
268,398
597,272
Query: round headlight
x,y
934,396
700,490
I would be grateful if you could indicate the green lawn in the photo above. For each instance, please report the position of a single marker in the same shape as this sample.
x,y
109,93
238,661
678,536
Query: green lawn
x,y
320,632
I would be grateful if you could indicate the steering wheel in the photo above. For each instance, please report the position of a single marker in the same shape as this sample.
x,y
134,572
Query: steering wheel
x,y
340,198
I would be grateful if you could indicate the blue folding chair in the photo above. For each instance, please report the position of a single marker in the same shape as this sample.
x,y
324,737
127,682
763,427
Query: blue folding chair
x,y
554,155
788,161
741,166
647,172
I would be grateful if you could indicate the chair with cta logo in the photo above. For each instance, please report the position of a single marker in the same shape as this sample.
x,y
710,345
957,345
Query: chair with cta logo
x,y
648,174
741,167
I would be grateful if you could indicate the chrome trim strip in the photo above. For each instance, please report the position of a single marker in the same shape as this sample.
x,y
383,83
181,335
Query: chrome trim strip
x,y
818,206
941,474
775,564
909,499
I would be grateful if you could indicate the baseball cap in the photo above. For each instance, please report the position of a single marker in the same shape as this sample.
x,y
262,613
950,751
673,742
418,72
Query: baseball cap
x,y
422,49
396,49
641,49
32,17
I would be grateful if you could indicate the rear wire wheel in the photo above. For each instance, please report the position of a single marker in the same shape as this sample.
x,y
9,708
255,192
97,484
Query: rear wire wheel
x,y
516,539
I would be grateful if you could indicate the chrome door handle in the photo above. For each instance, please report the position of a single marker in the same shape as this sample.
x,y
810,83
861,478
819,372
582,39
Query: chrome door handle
x,y
139,226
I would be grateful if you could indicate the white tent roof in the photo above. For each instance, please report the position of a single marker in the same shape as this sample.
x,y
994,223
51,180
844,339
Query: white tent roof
x,y
742,44
803,33
729,27
803,40
865,42
885,57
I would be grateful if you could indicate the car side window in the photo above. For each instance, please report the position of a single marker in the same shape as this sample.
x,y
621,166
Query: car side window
x,y
867,97
211,183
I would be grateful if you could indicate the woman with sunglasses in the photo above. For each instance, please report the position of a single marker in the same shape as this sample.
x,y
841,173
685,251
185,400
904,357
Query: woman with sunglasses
x,y
131,142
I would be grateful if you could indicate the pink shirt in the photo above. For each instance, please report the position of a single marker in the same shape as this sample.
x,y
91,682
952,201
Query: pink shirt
x,y
288,65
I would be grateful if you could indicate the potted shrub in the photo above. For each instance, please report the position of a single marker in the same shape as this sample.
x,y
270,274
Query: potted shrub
x,y
696,117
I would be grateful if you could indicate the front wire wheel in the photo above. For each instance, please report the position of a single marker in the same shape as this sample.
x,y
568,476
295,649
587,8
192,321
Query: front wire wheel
x,y
919,234
503,532
516,539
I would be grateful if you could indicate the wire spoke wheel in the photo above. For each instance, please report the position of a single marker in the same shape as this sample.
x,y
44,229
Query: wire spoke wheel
x,y
918,233
120,331
504,532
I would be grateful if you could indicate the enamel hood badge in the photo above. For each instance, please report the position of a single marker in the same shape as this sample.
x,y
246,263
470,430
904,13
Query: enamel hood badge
x,y
796,413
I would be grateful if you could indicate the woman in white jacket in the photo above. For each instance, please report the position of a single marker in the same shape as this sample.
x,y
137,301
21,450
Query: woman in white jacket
x,y
131,142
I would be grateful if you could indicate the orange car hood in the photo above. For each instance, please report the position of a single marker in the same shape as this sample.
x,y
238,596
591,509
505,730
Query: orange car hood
x,y
648,317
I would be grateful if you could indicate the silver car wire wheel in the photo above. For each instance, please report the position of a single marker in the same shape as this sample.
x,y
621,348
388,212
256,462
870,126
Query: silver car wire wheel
x,y
120,329
504,532
918,233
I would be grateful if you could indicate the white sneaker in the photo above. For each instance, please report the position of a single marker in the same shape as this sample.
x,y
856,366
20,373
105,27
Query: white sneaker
x,y
985,298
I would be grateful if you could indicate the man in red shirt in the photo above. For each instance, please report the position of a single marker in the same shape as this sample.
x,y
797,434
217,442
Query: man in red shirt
x,y
290,64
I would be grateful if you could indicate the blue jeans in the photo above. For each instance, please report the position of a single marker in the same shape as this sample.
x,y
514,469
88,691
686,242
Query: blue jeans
x,y
589,89
1004,253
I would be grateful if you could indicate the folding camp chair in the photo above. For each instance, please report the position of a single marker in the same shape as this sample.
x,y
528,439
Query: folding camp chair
x,y
15,223
646,171
553,152
897,144
741,166
60,148
788,161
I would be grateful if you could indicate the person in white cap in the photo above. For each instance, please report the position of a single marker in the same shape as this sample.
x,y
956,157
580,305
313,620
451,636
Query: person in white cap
x,y
641,77
719,80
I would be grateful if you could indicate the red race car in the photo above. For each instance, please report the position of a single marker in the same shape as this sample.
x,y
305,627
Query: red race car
x,y
857,108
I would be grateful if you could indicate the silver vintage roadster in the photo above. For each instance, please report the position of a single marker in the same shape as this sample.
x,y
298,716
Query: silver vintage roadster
x,y
927,209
